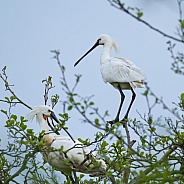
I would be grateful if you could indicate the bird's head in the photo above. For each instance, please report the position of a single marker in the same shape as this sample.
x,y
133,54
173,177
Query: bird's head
x,y
106,39
102,40
42,112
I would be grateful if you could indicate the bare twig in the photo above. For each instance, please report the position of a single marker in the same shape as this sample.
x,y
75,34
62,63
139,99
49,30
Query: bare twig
x,y
129,147
119,5
4,77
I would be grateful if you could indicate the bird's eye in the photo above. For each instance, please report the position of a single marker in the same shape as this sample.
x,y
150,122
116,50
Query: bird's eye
x,y
49,110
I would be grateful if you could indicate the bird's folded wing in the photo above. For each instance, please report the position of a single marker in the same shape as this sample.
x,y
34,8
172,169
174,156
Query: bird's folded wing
x,y
121,70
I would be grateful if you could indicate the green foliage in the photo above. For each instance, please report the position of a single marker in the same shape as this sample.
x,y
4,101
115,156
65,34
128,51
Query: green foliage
x,y
181,23
156,156
181,104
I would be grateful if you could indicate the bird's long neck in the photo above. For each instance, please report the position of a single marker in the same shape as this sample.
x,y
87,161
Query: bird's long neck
x,y
43,123
105,53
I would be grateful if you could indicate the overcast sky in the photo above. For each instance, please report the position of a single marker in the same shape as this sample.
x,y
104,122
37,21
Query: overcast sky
x,y
30,29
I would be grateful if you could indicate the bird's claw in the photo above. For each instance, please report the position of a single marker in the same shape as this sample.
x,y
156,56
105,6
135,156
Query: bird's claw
x,y
111,122
124,121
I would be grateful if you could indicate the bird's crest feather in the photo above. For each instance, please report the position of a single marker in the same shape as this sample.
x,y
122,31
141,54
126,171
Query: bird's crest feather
x,y
115,45
37,109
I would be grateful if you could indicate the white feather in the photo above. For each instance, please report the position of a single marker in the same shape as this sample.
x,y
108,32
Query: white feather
x,y
62,152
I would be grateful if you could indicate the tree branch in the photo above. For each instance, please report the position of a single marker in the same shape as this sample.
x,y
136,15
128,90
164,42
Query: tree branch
x,y
117,4
153,166
22,168
4,77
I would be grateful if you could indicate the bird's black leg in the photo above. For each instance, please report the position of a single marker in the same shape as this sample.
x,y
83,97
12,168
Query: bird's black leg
x,y
75,176
121,103
132,100
70,178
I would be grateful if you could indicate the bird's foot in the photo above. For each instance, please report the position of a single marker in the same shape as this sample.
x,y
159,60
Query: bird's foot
x,y
124,121
113,121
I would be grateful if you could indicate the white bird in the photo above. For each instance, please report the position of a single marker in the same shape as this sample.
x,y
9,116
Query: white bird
x,y
62,152
119,72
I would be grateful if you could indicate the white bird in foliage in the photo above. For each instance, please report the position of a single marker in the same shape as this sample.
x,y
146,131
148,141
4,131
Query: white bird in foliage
x,y
119,72
63,153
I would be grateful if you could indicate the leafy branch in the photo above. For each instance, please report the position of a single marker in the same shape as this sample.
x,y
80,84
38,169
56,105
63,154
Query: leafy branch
x,y
27,157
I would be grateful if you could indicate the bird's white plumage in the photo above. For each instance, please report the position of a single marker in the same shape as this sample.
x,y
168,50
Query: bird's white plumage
x,y
62,152
119,70
122,71
72,157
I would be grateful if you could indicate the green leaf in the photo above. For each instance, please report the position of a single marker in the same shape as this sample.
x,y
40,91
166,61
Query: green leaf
x,y
3,111
64,116
70,107
22,119
145,93
85,142
91,103
9,123
104,144
44,80
30,131
13,116
63,68
80,140
4,68
13,98
182,96
139,14
6,98
23,126
181,23
150,121
97,122
71,99
81,176
49,78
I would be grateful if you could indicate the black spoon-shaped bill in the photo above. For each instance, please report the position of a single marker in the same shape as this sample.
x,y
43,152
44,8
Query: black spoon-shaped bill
x,y
94,46
53,116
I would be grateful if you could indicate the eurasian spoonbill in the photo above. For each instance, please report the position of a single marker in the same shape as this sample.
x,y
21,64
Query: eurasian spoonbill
x,y
62,152
119,72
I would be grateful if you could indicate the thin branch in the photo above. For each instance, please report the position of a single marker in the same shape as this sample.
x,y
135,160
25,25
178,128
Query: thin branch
x,y
130,144
22,168
153,166
4,77
117,4
181,31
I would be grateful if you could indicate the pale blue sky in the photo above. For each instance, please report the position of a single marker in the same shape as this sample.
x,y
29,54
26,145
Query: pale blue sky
x,y
30,29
